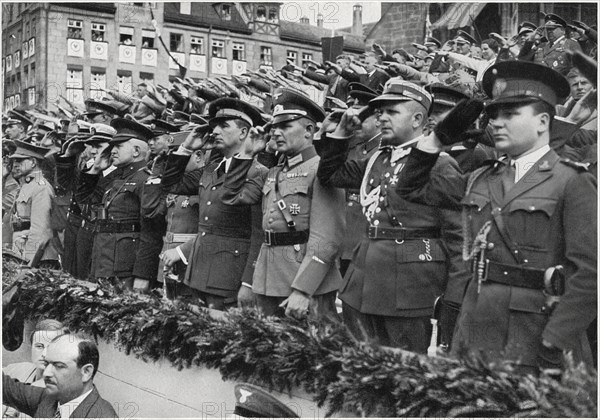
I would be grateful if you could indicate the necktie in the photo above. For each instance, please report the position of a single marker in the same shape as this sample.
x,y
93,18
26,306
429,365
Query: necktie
x,y
57,413
508,176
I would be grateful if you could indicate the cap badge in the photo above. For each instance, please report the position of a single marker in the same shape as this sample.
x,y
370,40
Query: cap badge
x,y
278,108
499,87
244,395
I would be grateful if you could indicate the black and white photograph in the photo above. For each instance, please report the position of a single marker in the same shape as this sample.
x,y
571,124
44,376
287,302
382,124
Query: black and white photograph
x,y
299,209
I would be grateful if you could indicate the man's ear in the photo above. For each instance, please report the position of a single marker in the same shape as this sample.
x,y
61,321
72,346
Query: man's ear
x,y
87,372
309,130
418,119
543,120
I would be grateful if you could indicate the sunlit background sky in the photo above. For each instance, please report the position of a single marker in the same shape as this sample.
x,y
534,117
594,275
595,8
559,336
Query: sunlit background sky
x,y
335,14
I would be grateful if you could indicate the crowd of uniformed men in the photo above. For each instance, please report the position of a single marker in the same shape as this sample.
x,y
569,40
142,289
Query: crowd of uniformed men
x,y
456,183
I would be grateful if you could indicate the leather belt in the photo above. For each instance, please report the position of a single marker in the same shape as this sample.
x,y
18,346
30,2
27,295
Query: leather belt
x,y
171,237
82,221
286,238
401,234
19,226
513,275
222,231
116,227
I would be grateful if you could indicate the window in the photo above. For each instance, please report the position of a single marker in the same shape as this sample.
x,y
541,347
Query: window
x,y
26,29
273,15
266,56
226,12
98,30
126,35
32,74
25,77
306,56
239,51
33,27
74,84
98,82
124,82
293,56
18,87
197,44
146,78
185,7
148,36
176,44
261,13
218,48
74,28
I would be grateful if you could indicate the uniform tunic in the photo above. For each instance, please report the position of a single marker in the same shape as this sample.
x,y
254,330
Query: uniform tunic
x,y
354,215
122,254
556,55
33,205
310,267
391,277
218,255
550,218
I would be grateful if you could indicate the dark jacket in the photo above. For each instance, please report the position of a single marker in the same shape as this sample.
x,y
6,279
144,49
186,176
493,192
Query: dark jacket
x,y
35,401
549,219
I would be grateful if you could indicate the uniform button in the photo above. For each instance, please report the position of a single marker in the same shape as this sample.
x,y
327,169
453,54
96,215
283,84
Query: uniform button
x,y
208,203
270,220
205,217
364,152
213,188
525,261
236,252
516,251
377,210
490,245
381,199
376,222
371,181
531,208
274,200
505,273
284,170
272,210
387,175
203,233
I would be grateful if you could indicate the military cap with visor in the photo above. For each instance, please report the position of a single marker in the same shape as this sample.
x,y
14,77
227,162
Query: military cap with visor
x,y
463,37
18,117
101,133
290,104
397,89
26,150
431,41
553,21
516,82
128,129
359,94
230,108
444,95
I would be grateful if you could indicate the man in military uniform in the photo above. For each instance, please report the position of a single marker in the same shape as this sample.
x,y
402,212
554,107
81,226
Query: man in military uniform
x,y
17,125
528,218
126,245
303,221
30,215
404,263
364,143
218,256
554,53
81,217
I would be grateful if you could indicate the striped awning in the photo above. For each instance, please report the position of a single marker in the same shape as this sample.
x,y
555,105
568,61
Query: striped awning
x,y
459,15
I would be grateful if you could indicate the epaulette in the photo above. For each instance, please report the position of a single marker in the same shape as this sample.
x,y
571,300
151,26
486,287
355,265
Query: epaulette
x,y
28,179
580,166
153,180
41,182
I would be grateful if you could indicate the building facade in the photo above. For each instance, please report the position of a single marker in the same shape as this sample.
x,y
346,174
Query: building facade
x,y
404,23
76,50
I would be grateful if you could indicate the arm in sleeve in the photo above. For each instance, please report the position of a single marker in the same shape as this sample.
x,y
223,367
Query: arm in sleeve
x,y
256,240
425,181
350,76
317,77
89,190
327,226
577,307
244,182
41,230
66,173
469,62
152,230
176,180
22,397
333,169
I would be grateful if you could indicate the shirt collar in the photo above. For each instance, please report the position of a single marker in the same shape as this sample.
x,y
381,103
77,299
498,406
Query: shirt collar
x,y
226,162
558,40
304,155
526,162
67,409
133,167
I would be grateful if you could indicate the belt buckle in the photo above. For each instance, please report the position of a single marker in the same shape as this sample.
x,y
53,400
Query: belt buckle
x,y
268,237
486,270
372,233
281,204
403,234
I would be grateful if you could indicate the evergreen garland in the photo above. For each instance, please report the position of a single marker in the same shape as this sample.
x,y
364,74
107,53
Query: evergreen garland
x,y
344,375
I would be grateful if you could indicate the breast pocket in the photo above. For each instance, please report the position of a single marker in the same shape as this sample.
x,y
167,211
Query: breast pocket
x,y
267,191
295,193
528,221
